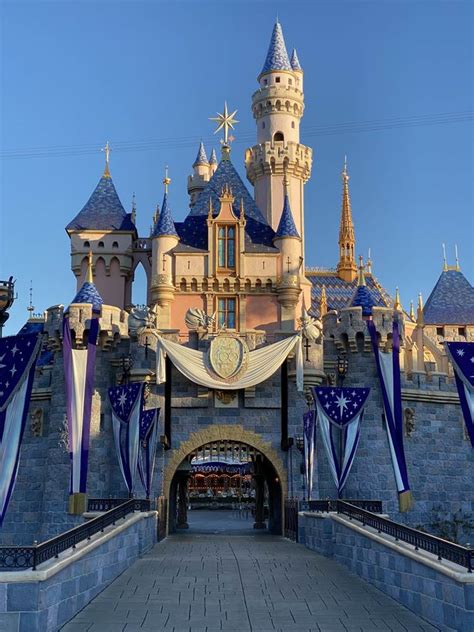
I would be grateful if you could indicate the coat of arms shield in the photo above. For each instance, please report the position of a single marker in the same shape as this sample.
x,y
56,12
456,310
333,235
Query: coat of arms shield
x,y
228,356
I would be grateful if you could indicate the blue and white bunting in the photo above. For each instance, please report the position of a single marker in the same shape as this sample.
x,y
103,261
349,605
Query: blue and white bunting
x,y
146,456
339,413
461,355
127,403
388,369
18,355
309,436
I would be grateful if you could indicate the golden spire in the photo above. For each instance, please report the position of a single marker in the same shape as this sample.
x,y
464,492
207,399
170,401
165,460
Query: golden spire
x,y
89,275
323,303
397,305
361,280
346,267
225,121
445,263
166,179
210,212
106,151
419,311
412,312
242,209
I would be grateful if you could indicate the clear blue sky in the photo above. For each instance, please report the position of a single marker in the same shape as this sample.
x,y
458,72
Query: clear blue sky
x,y
75,74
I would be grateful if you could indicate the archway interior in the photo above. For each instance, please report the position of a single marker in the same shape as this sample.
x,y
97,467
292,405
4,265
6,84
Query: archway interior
x,y
226,486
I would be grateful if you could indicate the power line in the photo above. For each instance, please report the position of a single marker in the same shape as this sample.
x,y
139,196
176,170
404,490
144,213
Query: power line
x,y
245,137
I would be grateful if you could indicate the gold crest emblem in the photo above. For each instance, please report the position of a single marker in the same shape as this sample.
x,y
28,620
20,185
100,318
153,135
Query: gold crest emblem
x,y
227,357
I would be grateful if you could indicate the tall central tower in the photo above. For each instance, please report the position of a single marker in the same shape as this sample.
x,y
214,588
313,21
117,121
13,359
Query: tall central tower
x,y
278,107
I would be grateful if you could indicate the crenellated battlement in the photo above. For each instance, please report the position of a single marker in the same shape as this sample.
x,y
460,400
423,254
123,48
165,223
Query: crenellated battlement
x,y
273,157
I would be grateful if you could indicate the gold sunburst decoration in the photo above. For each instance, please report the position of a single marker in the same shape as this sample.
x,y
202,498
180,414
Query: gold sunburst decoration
x,y
225,121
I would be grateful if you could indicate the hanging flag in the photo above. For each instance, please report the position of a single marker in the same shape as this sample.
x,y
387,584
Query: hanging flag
x,y
339,413
309,436
127,403
461,355
18,355
388,369
147,452
79,371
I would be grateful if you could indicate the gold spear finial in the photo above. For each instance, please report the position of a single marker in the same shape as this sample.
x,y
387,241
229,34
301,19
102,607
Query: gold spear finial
x,y
106,151
397,304
412,312
166,179
419,311
89,276
361,280
445,263
225,121
323,304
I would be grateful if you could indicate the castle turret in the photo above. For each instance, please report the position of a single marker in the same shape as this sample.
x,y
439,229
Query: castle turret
x,y
346,268
164,239
278,107
108,231
201,175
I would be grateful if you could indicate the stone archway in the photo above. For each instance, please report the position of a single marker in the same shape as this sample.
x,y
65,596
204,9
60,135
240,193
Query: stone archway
x,y
229,433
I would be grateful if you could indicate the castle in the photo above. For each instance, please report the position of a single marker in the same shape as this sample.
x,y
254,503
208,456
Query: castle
x,y
239,260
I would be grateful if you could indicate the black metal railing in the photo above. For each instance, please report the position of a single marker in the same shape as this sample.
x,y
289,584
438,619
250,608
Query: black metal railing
x,y
291,519
106,504
443,549
375,506
23,557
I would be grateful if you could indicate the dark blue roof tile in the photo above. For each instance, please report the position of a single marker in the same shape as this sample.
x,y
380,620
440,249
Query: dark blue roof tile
x,y
103,211
277,55
294,61
165,224
363,298
451,302
287,227
89,294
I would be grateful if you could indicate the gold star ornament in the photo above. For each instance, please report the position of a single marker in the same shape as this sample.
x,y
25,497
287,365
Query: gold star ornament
x,y
225,121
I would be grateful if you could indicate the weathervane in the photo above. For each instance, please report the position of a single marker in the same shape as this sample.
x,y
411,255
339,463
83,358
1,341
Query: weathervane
x,y
225,121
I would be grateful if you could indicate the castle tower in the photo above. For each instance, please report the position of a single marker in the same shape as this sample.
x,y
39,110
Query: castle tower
x,y
278,107
164,239
346,268
108,231
201,174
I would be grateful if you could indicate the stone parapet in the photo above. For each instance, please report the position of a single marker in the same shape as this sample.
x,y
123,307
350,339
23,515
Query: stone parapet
x,y
271,158
348,329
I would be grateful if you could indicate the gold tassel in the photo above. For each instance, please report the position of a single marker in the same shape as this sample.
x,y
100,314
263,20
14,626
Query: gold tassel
x,y
405,501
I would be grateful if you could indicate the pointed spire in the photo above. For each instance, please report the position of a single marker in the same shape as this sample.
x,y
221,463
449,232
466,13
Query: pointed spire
x,y
445,263
419,311
242,209
213,158
295,62
106,151
286,226
323,304
165,225
361,279
397,304
201,158
346,267
89,275
412,312
368,264
277,55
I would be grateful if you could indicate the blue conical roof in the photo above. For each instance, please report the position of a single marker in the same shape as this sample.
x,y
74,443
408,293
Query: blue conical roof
x,y
89,294
451,302
363,298
165,224
201,158
213,158
103,210
277,56
294,61
287,226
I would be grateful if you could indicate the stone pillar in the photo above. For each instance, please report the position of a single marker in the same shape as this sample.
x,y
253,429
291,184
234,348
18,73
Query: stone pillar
x,y
182,518
259,501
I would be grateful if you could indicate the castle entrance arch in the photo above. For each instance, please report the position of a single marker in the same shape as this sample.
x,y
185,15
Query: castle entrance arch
x,y
231,474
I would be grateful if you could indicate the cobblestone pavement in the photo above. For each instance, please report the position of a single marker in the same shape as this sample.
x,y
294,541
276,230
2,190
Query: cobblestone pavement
x,y
258,583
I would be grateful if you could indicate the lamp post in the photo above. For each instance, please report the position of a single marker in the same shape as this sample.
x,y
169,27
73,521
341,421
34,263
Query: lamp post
x,y
7,297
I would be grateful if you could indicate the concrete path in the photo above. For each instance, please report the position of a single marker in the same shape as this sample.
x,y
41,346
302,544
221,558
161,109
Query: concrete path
x,y
221,522
258,583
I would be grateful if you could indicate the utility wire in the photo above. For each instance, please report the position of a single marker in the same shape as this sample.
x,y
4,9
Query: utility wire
x,y
350,127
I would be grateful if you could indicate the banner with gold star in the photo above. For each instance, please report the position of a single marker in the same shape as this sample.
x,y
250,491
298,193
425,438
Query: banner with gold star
x,y
461,355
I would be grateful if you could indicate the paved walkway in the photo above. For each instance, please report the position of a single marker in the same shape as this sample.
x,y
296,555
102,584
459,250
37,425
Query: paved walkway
x,y
218,521
210,583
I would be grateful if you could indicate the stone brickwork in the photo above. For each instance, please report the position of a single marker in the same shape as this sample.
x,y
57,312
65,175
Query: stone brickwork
x,y
442,593
35,601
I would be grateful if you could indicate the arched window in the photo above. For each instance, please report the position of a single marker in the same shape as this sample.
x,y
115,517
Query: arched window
x,y
87,244
278,136
226,247
226,312
101,244
115,244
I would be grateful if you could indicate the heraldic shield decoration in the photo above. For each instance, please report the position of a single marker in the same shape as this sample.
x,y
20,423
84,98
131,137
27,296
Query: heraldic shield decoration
x,y
227,357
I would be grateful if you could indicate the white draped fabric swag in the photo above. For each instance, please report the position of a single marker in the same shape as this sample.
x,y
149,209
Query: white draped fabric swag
x,y
262,364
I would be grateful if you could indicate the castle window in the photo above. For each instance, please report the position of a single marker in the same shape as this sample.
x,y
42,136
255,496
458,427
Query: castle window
x,y
265,81
440,331
293,124
462,331
87,244
101,244
226,247
277,79
278,136
115,244
226,308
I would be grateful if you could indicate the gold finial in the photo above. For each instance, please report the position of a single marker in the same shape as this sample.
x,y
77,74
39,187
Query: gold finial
x,y
445,263
397,305
225,121
458,267
210,212
106,151
323,303
31,307
166,179
242,209
361,280
412,312
419,311
286,182
368,264
89,276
